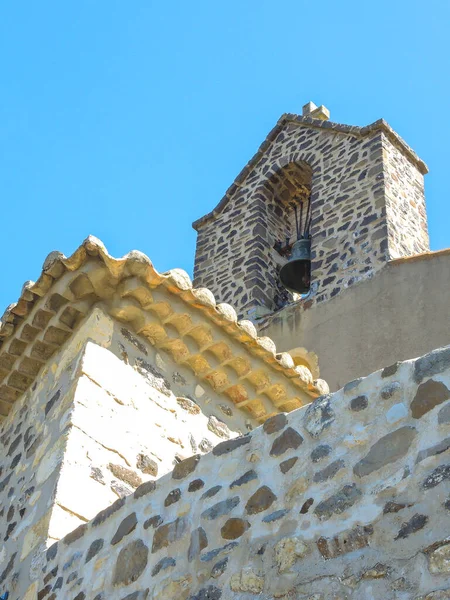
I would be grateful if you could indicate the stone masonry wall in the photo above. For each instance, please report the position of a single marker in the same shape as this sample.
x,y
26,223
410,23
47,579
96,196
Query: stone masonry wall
x,y
367,206
32,446
347,498
107,414
405,205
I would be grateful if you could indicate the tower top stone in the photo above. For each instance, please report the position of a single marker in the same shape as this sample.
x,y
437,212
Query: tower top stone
x,y
316,112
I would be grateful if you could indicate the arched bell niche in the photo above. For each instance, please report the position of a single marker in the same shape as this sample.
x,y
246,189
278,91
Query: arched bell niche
x,y
288,216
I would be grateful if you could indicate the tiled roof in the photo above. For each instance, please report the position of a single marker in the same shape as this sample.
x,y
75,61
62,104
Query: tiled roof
x,y
380,125
166,310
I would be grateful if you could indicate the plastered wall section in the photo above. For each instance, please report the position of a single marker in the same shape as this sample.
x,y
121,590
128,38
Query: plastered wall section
x,y
346,498
367,206
400,313
104,417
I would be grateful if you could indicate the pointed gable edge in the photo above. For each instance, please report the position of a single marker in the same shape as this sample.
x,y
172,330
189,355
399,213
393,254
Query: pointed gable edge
x,y
379,125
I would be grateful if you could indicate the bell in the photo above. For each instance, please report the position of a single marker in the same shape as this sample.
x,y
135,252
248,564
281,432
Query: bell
x,y
295,275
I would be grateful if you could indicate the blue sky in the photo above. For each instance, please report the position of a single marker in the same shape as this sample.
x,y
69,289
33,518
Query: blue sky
x,y
129,120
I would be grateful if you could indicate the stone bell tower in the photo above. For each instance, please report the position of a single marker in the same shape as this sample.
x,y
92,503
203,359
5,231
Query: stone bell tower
x,y
366,190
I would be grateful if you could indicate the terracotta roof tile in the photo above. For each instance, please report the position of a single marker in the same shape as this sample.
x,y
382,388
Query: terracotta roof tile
x,y
154,305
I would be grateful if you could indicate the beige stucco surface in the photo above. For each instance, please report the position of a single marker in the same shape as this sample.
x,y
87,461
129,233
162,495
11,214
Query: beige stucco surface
x,y
401,313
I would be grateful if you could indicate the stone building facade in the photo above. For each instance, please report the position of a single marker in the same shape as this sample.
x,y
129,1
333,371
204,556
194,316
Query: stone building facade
x,y
111,375
367,201
154,446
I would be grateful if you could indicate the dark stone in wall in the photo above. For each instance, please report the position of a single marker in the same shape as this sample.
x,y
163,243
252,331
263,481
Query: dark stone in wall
x,y
219,568
76,534
414,524
287,465
390,390
394,507
359,403
328,472
320,452
275,423
126,527
339,502
199,541
428,395
214,553
154,521
208,593
306,506
196,485
107,512
52,402
94,549
344,543
146,488
432,364
261,500
289,439
319,416
131,563
388,449
233,528
211,492
186,467
440,474
221,508
245,478
230,445
51,552
14,445
275,516
163,564
391,370
172,497
9,567
169,533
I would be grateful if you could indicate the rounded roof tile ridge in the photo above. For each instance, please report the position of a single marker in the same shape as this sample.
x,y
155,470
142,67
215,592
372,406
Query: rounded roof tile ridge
x,y
176,281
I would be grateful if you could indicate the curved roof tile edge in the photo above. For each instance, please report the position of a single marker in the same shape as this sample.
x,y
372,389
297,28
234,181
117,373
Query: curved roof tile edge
x,y
176,282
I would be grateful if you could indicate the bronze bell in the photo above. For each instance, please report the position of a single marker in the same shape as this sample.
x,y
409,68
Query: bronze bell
x,y
295,275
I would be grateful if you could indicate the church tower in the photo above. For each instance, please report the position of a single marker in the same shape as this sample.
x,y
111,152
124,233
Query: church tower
x,y
365,192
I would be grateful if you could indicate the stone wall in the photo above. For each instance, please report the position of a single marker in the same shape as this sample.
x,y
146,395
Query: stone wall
x,y
367,205
346,498
32,445
107,414
405,205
